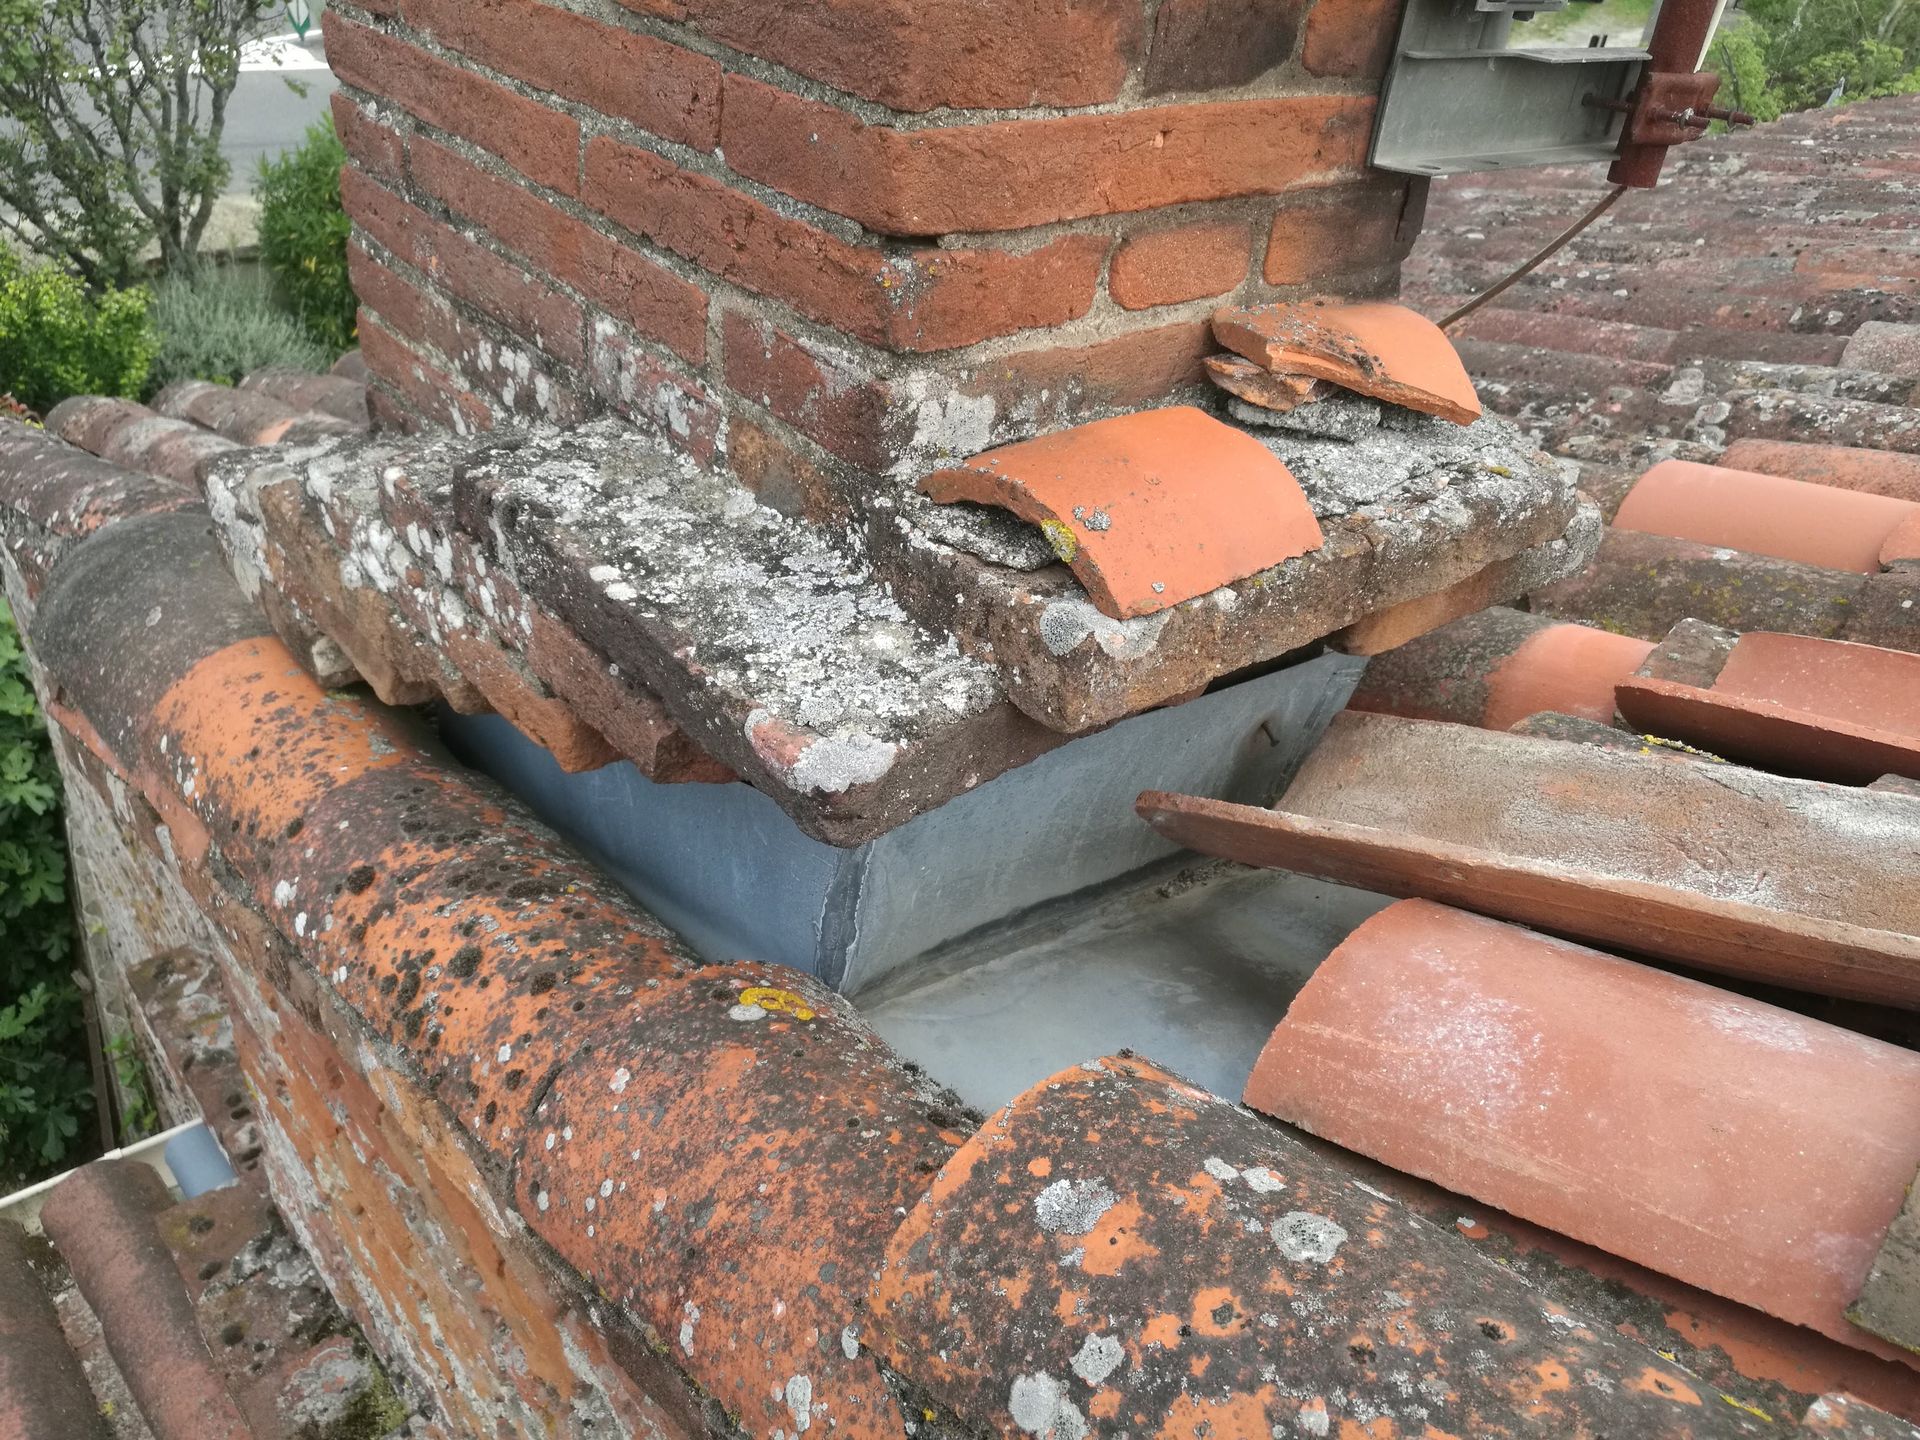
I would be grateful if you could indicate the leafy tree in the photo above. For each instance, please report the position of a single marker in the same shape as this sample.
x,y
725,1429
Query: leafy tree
x,y
45,1088
111,114
1785,55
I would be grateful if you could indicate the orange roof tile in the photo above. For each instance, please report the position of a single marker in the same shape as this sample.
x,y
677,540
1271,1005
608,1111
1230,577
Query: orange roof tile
x,y
1147,509
1610,1101
1386,351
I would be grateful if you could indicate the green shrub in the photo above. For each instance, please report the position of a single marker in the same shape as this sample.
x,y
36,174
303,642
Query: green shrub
x,y
56,340
45,1088
303,236
218,322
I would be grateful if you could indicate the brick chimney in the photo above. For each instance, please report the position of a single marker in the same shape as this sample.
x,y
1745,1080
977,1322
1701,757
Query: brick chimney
x,y
829,241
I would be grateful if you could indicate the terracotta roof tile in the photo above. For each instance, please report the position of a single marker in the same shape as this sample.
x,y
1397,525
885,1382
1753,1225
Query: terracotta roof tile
x,y
337,395
1878,345
248,417
1118,1250
43,1392
1147,509
1496,667
1507,1090
1881,472
728,1161
135,437
1386,351
70,494
1844,1416
1803,706
1581,841
1644,585
1258,385
102,1218
1765,515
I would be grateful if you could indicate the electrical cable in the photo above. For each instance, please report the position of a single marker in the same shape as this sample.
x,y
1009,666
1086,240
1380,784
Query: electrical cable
x,y
1537,261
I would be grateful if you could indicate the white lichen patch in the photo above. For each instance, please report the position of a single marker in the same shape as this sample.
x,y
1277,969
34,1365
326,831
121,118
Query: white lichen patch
x,y
1308,1239
1099,1356
778,619
1039,1406
1072,1207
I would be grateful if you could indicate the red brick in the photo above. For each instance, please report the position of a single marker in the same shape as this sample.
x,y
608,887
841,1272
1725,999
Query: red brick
x,y
1011,174
845,411
659,86
374,147
1351,37
516,380
1341,235
924,300
1164,267
546,318
952,298
780,473
986,54
541,144
430,389
1129,370
629,378
653,300
1217,44
387,294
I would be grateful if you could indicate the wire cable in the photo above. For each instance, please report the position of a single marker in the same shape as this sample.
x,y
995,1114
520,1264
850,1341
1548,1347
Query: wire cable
x,y
1537,261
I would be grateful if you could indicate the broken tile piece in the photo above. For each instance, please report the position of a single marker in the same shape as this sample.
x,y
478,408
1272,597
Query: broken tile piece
x,y
1258,385
1148,509
1645,1135
1764,515
1820,708
1814,887
1379,349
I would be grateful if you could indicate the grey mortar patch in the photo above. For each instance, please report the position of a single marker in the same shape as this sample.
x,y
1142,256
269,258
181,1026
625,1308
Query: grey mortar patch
x,y
1411,460
783,615
997,536
1340,416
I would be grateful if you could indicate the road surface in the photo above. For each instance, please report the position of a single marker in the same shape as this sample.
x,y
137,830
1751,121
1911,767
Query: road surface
x,y
268,112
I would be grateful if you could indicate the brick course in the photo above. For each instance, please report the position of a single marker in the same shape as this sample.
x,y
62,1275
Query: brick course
x,y
594,190
1192,262
541,144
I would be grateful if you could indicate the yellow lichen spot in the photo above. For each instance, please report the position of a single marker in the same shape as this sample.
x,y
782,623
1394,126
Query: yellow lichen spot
x,y
1500,470
784,1001
1749,1409
1065,544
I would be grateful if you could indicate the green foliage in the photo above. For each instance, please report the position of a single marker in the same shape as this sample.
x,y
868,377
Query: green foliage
x,y
218,322
45,1089
142,1117
1785,55
303,236
56,340
111,114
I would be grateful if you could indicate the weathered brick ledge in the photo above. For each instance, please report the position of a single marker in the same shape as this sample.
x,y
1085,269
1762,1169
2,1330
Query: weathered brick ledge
x,y
567,1178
